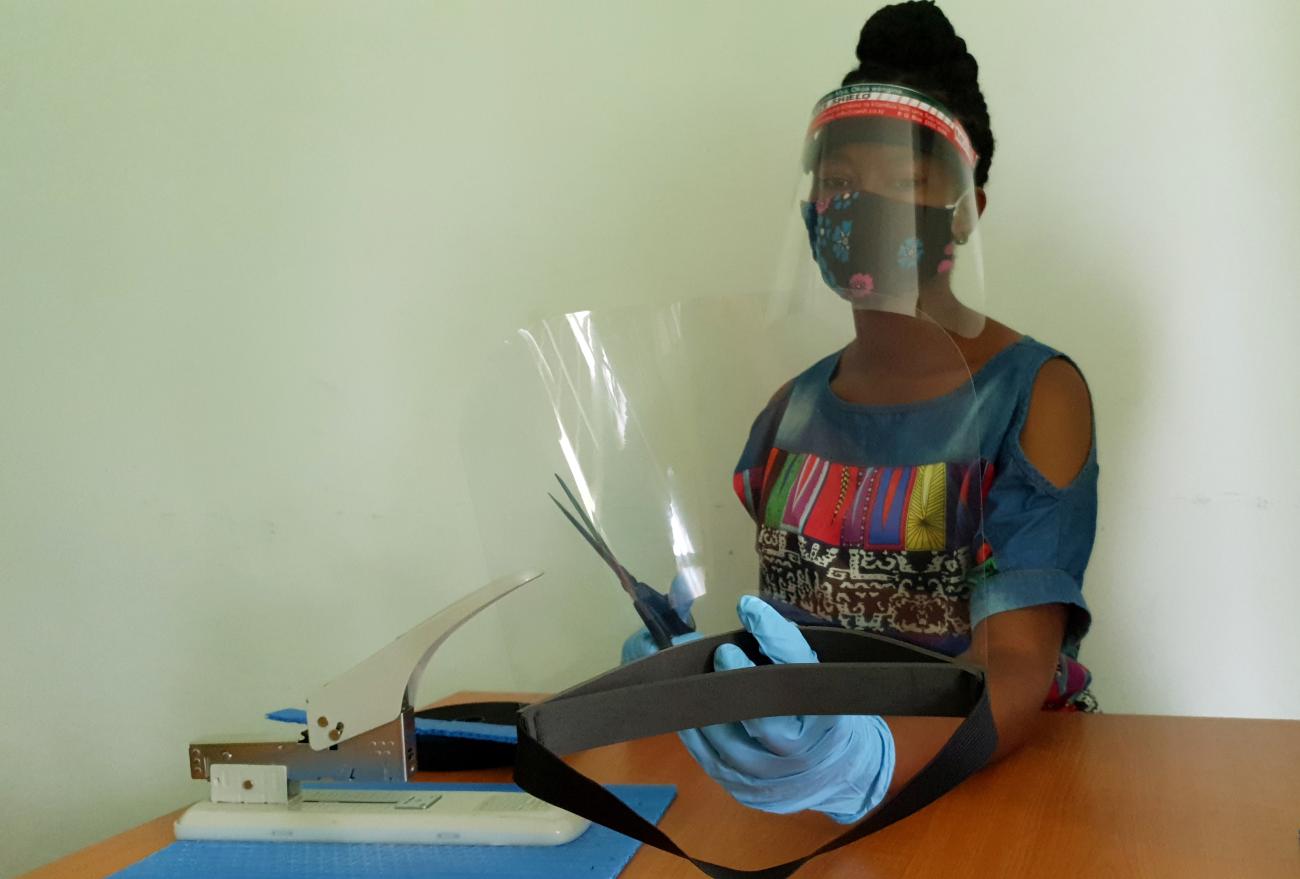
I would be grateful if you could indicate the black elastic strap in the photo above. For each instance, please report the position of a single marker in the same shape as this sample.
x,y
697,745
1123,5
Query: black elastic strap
x,y
676,689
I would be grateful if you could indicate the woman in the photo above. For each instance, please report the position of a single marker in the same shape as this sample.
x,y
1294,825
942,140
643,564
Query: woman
x,y
1015,603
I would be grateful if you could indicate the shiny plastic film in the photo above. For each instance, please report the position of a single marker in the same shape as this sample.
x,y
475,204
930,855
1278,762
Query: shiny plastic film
x,y
602,448
659,462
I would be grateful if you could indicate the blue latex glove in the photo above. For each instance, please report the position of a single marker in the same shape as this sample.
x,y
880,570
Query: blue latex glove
x,y
840,765
640,644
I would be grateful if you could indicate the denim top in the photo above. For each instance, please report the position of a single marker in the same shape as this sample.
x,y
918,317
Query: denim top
x,y
886,519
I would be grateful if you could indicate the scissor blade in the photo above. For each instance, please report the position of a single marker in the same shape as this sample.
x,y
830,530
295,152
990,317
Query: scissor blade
x,y
624,578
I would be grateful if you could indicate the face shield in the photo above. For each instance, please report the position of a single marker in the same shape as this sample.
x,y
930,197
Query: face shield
x,y
658,462
887,205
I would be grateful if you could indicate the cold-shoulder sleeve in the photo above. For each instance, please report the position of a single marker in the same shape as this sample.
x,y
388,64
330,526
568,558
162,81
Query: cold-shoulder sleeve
x,y
1041,534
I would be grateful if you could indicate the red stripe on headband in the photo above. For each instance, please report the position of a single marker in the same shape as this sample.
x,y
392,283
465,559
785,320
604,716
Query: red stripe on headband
x,y
894,109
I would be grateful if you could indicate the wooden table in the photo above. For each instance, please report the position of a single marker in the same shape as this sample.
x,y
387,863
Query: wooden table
x,y
1100,796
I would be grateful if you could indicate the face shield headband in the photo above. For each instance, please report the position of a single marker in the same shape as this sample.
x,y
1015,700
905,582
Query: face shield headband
x,y
877,101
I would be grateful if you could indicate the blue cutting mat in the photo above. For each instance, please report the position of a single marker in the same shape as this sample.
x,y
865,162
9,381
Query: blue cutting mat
x,y
597,854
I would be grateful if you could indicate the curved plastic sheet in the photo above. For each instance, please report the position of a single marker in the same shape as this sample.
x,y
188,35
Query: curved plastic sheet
x,y
826,459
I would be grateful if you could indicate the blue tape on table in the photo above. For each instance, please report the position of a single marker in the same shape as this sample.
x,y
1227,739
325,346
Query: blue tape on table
x,y
426,726
599,853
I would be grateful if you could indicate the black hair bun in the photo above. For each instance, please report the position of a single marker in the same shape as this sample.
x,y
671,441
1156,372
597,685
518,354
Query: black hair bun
x,y
913,44
910,36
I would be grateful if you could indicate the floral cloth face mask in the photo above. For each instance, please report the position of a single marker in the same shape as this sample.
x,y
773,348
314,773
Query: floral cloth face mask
x,y
869,247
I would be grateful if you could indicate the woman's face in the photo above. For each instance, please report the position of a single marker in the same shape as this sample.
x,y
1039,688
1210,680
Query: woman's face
x,y
894,171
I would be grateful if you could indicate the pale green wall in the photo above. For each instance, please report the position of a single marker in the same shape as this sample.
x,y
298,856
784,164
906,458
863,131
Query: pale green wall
x,y
248,250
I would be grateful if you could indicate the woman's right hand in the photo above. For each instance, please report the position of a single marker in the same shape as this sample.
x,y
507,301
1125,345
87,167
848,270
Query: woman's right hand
x,y
639,644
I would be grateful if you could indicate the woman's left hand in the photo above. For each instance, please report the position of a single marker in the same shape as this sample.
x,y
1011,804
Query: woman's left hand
x,y
840,765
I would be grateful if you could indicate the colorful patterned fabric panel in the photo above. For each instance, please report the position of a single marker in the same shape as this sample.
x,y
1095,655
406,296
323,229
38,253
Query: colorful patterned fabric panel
x,y
884,549
1070,688
919,596
927,508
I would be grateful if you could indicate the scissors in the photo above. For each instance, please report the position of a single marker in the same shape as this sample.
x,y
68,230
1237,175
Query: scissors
x,y
661,619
